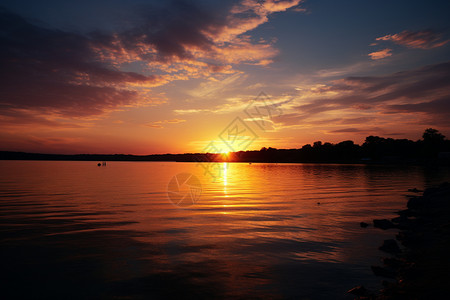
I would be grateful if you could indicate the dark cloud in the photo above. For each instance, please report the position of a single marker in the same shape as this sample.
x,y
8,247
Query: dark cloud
x,y
170,30
363,130
71,74
438,106
49,69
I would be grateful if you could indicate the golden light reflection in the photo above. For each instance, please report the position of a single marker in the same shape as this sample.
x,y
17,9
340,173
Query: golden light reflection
x,y
225,180
225,175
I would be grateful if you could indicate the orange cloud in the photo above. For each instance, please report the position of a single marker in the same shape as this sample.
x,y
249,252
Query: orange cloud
x,y
415,97
380,54
158,124
243,51
249,14
194,45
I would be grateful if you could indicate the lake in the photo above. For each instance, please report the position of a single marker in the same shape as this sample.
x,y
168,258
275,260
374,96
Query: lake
x,y
72,230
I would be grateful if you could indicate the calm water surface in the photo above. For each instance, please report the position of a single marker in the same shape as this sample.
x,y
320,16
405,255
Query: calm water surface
x,y
75,230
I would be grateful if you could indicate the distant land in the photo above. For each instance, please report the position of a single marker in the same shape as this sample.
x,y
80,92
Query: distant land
x,y
432,148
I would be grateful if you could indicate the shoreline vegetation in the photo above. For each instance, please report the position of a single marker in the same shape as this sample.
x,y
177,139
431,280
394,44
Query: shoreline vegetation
x,y
433,148
418,264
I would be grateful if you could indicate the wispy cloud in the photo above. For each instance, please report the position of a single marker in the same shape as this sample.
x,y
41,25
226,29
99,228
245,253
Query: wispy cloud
x,y
423,39
380,54
159,124
424,92
213,86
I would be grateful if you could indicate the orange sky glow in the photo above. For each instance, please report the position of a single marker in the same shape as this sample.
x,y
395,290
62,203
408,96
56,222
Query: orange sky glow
x,y
173,77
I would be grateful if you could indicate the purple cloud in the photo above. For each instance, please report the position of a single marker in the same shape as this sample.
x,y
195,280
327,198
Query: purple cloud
x,y
56,71
425,90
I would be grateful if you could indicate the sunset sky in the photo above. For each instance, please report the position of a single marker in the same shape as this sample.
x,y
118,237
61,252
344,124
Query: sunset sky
x,y
144,77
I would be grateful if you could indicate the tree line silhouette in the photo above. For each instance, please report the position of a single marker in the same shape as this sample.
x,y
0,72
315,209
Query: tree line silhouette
x,y
433,147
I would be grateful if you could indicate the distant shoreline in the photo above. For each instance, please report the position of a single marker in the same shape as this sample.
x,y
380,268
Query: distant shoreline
x,y
434,149
235,157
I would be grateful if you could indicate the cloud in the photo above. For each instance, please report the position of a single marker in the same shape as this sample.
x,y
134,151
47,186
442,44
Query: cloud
x,y
159,124
213,87
188,39
424,92
75,75
58,72
363,130
357,120
434,111
249,14
424,39
346,130
22,118
240,103
380,54
346,70
190,111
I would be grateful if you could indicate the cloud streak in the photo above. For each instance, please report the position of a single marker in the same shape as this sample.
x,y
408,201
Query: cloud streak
x,y
159,124
380,54
423,39
424,92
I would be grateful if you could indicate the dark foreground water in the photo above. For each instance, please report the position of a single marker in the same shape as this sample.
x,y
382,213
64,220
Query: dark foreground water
x,y
75,230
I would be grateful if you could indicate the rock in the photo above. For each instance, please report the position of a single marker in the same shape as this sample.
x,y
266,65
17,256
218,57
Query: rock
x,y
416,203
383,272
359,291
363,224
383,224
414,190
390,246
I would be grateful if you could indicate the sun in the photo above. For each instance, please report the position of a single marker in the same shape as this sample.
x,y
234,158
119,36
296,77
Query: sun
x,y
225,155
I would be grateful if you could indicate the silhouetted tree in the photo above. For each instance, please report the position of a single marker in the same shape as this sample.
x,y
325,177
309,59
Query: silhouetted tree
x,y
433,136
433,143
317,144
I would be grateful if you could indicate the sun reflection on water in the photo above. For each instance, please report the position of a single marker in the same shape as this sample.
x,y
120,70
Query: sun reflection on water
x,y
225,181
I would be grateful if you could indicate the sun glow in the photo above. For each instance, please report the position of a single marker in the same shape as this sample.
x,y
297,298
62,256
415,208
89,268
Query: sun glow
x,y
225,155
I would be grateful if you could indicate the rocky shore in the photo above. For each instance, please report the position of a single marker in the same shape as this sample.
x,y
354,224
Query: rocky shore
x,y
418,265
